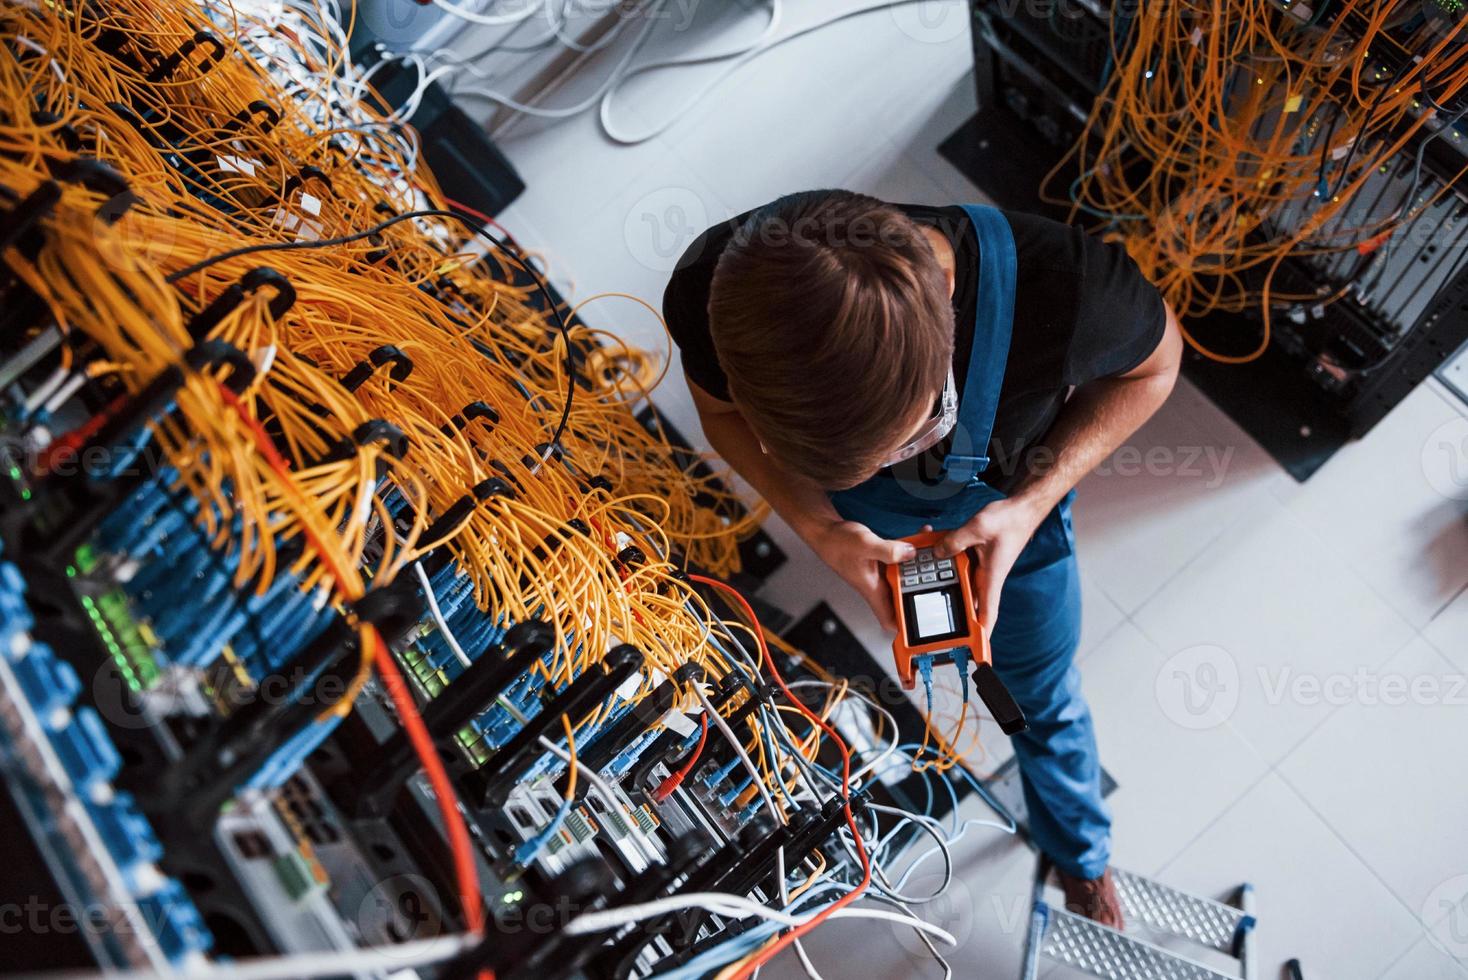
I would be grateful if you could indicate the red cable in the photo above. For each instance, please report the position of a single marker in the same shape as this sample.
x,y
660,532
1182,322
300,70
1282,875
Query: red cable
x,y
466,872
71,443
666,787
866,864
474,213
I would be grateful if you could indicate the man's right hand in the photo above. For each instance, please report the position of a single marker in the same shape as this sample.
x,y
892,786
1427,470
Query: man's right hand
x,y
857,555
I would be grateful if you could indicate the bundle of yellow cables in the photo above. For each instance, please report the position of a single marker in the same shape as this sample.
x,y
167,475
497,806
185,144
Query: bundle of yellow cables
x,y
225,151
413,389
1234,133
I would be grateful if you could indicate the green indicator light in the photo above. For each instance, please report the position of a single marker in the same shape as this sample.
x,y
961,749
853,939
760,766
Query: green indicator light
x,y
86,558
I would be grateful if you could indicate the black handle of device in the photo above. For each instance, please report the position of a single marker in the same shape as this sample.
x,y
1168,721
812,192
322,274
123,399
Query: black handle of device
x,y
998,700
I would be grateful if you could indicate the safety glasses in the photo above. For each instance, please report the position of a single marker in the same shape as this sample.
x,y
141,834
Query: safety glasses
x,y
939,424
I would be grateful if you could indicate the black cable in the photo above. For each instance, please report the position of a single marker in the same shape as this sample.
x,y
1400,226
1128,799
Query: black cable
x,y
303,244
1422,154
1320,184
357,236
1366,124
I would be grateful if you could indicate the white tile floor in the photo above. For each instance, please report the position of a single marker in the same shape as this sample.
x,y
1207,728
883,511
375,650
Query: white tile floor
x,y
1331,618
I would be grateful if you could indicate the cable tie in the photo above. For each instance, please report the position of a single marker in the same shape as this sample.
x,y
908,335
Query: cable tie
x,y
165,69
402,367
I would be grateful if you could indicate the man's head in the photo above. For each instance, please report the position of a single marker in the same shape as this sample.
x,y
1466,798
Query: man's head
x,y
832,319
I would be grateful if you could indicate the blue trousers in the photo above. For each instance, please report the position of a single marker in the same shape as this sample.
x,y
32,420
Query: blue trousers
x,y
1034,645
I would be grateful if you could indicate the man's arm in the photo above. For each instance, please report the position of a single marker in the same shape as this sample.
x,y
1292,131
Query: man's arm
x,y
851,549
1094,421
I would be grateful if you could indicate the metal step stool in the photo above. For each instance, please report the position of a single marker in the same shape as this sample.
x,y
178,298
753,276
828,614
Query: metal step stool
x,y
1076,941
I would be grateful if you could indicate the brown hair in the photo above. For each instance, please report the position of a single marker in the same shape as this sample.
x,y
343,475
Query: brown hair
x,y
831,318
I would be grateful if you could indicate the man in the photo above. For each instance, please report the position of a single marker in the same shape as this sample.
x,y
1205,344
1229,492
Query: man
x,y
875,369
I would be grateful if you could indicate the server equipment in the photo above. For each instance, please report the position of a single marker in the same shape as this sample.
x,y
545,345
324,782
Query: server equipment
x,y
352,621
1287,173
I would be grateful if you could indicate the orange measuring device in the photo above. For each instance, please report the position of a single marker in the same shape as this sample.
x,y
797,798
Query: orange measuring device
x,y
937,614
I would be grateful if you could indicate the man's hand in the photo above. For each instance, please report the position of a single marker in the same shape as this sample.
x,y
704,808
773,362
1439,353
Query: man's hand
x,y
857,555
997,534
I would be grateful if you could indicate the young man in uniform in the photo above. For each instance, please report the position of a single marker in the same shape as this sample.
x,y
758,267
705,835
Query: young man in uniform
x,y
874,369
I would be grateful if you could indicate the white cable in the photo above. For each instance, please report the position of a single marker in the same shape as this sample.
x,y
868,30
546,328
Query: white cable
x,y
362,513
932,950
439,621
805,963
409,108
558,29
500,20
602,90
66,391
934,830
327,963
48,387
765,42
733,906
886,715
591,774
622,73
958,830
24,41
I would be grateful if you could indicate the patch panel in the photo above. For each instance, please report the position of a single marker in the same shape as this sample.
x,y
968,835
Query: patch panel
x,y
379,614
149,566
59,762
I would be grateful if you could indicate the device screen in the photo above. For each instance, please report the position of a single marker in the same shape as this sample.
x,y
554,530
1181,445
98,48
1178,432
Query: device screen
x,y
935,615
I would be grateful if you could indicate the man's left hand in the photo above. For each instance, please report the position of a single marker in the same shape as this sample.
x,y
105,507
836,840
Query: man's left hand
x,y
997,534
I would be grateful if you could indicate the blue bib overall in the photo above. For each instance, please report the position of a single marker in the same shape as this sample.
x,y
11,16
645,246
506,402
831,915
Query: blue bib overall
x,y
1035,638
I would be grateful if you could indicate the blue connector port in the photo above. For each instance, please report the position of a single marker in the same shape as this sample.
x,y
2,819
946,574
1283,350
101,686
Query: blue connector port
x,y
175,920
49,684
85,749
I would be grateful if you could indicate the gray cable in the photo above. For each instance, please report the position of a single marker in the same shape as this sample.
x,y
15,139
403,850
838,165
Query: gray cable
x,y
437,614
922,822
743,755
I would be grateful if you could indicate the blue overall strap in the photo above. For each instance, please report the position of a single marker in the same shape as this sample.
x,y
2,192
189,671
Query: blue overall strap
x,y
993,323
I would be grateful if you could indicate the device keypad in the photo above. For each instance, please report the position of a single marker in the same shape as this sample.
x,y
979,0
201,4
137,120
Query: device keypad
x,y
925,568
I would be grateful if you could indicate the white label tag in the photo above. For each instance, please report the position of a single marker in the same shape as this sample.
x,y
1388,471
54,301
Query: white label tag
x,y
239,165
677,721
629,687
263,358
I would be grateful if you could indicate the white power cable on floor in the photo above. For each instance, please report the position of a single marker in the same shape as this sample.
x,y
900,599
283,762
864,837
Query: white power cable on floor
x,y
492,20
653,9
622,72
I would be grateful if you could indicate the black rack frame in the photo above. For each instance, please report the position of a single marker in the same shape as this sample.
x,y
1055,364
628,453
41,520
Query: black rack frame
x,y
1034,93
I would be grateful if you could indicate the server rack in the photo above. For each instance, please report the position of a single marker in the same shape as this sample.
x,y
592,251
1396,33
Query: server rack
x,y
1333,369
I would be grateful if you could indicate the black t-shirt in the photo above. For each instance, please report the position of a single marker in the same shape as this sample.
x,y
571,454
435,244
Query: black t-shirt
x,y
1082,311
